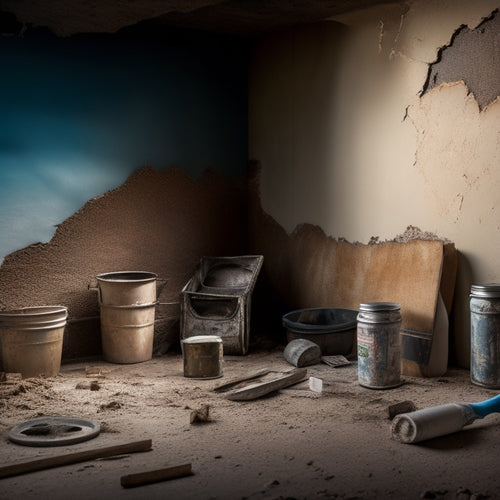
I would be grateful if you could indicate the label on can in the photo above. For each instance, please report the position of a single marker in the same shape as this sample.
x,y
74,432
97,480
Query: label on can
x,y
485,336
379,365
363,351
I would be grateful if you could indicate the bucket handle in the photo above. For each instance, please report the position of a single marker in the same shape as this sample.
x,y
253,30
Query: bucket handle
x,y
92,286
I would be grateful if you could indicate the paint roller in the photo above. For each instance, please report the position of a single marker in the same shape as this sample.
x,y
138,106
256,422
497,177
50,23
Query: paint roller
x,y
429,423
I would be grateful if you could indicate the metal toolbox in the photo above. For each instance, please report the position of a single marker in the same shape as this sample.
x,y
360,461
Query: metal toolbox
x,y
217,300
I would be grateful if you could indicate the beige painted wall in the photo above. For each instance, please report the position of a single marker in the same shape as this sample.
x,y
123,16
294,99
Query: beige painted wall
x,y
346,142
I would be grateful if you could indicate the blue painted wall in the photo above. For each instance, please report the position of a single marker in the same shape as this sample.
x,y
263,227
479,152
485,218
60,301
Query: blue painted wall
x,y
78,115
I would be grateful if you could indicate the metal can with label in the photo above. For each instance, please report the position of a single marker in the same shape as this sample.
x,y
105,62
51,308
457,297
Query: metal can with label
x,y
203,355
379,345
485,335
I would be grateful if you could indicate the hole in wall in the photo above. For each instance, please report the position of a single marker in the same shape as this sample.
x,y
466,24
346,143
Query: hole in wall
x,y
472,57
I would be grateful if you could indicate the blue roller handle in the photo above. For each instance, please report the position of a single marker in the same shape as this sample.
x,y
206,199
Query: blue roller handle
x,y
486,407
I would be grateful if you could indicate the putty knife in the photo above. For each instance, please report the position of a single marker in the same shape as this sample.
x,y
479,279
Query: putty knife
x,y
440,420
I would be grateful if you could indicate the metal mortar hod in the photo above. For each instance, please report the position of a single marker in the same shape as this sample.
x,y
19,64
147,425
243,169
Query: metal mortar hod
x,y
217,300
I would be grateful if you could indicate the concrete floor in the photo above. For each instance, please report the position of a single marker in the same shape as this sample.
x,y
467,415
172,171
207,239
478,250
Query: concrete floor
x,y
293,444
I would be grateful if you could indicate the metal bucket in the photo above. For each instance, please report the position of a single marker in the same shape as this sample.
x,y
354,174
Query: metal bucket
x,y
485,335
127,301
379,345
202,356
31,340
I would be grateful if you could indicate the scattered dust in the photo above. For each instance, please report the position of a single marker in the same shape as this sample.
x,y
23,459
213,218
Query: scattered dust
x,y
96,371
113,405
89,386
290,444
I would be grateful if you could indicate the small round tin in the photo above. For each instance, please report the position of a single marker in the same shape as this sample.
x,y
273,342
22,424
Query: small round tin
x,y
203,356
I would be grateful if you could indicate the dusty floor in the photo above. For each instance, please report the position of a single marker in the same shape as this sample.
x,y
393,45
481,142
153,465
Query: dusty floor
x,y
293,444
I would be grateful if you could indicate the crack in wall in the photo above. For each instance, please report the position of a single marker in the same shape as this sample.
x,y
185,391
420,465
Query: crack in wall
x,y
380,36
393,52
472,57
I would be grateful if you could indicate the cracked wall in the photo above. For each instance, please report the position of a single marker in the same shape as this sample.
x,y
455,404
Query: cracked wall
x,y
377,153
459,61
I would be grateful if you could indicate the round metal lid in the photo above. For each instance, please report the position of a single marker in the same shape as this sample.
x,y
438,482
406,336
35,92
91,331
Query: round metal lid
x,y
380,306
202,339
53,431
490,290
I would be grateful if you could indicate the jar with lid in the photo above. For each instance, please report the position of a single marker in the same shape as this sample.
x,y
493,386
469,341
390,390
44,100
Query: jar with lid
x,y
379,345
485,335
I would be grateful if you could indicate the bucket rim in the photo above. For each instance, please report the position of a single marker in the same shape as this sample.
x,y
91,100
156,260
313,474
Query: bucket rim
x,y
33,311
303,328
127,276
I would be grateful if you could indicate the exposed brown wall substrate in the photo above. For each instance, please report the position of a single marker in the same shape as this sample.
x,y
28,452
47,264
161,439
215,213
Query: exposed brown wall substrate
x,y
157,221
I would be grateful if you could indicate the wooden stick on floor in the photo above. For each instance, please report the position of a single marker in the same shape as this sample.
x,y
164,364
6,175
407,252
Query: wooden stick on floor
x,y
154,476
73,458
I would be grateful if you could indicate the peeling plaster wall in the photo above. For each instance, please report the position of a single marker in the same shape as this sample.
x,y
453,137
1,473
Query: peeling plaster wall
x,y
459,61
348,142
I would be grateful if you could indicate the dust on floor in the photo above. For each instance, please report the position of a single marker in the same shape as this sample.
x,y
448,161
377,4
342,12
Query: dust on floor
x,y
293,444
